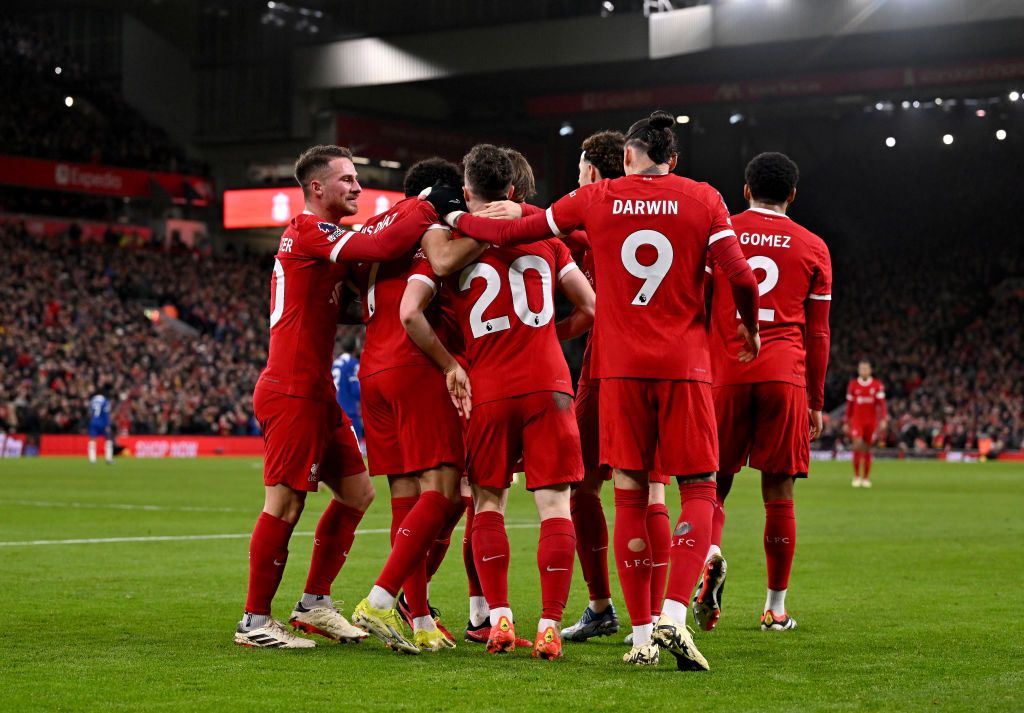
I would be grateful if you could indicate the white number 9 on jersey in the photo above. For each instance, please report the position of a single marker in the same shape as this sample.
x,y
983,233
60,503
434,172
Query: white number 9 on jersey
x,y
652,274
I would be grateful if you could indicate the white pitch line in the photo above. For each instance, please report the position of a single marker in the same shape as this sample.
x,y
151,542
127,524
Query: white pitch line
x,y
117,506
183,538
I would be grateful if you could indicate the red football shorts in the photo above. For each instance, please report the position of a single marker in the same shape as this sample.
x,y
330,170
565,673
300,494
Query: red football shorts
x,y
304,440
863,430
666,426
410,421
588,395
766,423
540,427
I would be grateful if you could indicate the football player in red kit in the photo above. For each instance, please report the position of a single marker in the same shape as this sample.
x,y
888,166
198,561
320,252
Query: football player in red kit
x,y
650,232
769,410
413,433
865,417
518,399
308,440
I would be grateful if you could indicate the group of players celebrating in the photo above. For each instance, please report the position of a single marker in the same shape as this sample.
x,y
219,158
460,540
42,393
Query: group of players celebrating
x,y
464,383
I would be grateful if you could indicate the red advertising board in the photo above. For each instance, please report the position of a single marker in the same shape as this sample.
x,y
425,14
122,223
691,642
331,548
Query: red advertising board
x,y
158,446
868,80
273,207
94,178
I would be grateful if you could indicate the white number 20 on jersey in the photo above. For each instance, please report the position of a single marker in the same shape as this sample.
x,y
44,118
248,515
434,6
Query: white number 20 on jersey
x,y
517,283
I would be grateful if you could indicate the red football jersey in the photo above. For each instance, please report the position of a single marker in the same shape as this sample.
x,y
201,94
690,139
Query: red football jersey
x,y
505,306
305,294
649,235
792,265
865,401
382,286
579,245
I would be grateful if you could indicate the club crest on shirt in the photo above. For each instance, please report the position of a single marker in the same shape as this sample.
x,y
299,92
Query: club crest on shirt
x,y
332,230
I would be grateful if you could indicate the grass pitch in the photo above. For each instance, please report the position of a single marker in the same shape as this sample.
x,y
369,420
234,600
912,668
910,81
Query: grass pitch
x,y
909,597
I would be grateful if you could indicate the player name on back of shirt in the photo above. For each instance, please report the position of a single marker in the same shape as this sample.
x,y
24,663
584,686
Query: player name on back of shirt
x,y
764,240
640,207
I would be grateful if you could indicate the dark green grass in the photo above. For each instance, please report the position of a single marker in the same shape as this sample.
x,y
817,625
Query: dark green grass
x,y
909,597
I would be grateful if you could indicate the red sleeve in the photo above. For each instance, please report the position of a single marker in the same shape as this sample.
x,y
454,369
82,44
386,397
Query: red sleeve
x,y
880,400
721,223
389,242
726,253
578,241
817,340
505,232
529,209
563,260
421,270
849,400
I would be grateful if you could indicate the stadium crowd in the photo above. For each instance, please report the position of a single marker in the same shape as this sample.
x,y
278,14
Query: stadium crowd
x,y
75,322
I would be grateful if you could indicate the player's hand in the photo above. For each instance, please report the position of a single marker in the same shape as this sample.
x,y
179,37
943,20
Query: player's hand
x,y
753,344
448,201
502,210
459,389
815,421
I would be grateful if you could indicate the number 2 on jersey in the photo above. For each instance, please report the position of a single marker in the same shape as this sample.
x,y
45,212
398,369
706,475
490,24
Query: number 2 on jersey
x,y
652,274
517,283
771,279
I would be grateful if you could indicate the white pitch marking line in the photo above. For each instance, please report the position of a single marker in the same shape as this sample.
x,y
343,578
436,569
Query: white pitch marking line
x,y
116,506
183,538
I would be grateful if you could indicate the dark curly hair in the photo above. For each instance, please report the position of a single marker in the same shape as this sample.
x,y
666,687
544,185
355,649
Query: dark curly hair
x,y
771,176
654,136
428,172
488,172
603,151
522,176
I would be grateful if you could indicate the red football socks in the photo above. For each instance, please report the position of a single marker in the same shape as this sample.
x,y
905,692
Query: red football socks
x,y
592,543
633,553
413,538
555,553
856,463
717,522
332,540
866,465
268,552
659,534
491,552
691,538
467,551
439,549
779,541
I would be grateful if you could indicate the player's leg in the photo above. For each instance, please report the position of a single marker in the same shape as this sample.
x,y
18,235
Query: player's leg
x,y
779,547
551,447
556,550
659,534
866,456
491,555
345,475
857,451
781,451
92,449
686,410
295,438
599,618
628,444
108,447
478,626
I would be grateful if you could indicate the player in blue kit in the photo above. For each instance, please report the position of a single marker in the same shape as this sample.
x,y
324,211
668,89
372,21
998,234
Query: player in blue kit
x,y
99,425
345,371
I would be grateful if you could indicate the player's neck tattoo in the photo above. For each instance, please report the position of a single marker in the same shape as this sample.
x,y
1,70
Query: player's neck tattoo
x,y
651,171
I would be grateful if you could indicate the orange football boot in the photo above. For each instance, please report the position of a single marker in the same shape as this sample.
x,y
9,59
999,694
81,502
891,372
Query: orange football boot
x,y
548,644
503,637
